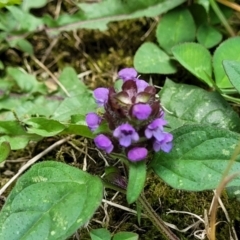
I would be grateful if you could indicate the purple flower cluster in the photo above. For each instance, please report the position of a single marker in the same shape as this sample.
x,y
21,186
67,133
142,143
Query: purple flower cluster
x,y
134,116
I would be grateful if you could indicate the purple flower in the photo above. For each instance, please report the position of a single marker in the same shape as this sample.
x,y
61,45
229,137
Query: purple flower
x,y
164,145
141,111
127,74
137,154
93,121
101,96
141,85
104,143
126,134
155,129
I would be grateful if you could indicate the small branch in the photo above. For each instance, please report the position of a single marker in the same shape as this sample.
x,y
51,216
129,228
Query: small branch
x,y
31,162
222,18
232,5
156,220
40,64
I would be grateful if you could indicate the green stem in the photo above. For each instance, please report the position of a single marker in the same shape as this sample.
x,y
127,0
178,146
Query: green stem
x,y
222,18
232,99
151,214
156,220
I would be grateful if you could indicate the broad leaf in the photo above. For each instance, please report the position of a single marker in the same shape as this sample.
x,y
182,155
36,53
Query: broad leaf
x,y
100,234
4,151
98,15
176,26
52,200
208,36
25,46
18,142
232,69
228,50
25,81
196,59
79,104
44,127
28,4
71,82
198,159
125,236
149,58
186,104
136,180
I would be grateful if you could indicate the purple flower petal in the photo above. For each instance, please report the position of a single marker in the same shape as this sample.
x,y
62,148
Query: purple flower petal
x,y
137,154
126,134
104,143
164,145
155,129
93,121
127,74
101,96
141,111
141,85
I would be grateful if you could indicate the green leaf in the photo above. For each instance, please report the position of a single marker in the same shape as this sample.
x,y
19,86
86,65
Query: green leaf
x,y
25,46
28,4
136,180
232,69
176,26
196,59
98,15
125,236
78,129
25,81
79,104
149,58
5,149
100,234
198,159
4,3
52,200
208,36
71,82
44,127
187,104
12,128
16,142
24,21
199,14
228,50
205,4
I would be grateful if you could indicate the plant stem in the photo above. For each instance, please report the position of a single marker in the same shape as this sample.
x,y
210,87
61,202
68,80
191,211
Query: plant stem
x,y
156,220
151,214
222,18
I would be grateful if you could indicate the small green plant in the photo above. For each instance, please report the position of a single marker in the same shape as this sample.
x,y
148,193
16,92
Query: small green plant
x,y
183,134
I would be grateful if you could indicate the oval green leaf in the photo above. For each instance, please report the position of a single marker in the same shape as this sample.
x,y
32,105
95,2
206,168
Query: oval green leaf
x,y
187,104
228,50
51,201
232,69
125,236
208,36
176,26
198,159
196,59
4,150
44,127
149,58
100,234
136,180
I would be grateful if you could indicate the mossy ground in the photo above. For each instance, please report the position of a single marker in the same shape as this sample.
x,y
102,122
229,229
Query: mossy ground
x,y
100,55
